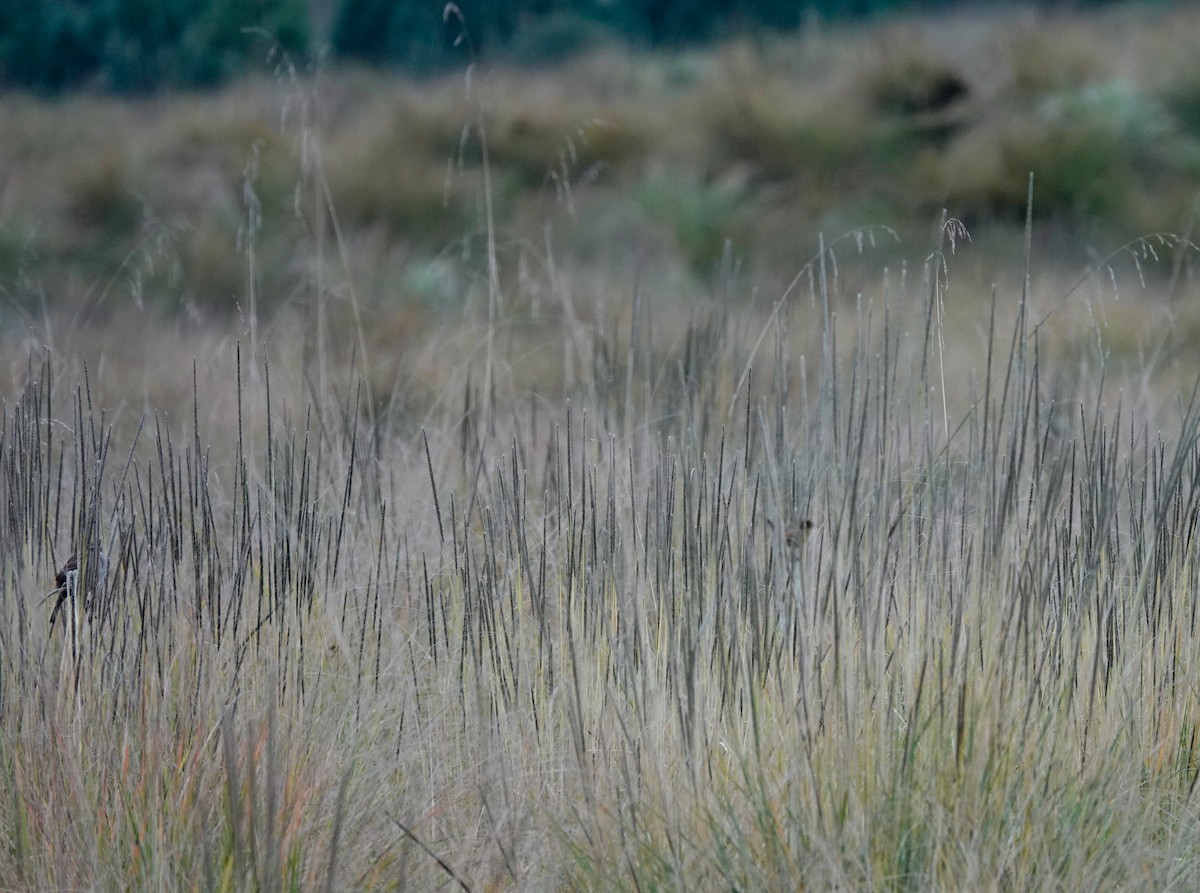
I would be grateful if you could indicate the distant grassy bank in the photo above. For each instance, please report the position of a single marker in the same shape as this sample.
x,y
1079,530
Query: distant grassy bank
x,y
692,162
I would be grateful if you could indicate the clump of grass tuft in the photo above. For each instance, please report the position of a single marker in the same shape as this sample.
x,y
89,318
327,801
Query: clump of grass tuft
x,y
1182,97
100,194
540,149
813,141
702,216
1094,152
1046,57
906,77
1081,168
213,270
408,197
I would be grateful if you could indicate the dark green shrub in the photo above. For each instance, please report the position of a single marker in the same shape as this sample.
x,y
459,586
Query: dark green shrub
x,y
139,45
909,80
415,35
47,46
232,35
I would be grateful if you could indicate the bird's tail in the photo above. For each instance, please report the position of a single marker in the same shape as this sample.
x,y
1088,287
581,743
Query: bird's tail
x,y
62,598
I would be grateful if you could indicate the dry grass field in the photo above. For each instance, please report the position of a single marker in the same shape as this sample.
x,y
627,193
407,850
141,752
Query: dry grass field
x,y
442,439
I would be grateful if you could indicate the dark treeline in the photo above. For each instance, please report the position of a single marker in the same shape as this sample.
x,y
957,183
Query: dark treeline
x,y
131,46
143,45
420,35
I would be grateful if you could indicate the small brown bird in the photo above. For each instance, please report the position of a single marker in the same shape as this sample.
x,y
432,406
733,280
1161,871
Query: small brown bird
x,y
795,532
67,582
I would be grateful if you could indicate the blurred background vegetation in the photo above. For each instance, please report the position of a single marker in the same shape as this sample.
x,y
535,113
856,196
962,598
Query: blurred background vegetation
x,y
708,145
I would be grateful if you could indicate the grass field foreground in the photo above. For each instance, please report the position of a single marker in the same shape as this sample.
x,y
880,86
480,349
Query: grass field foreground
x,y
544,644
